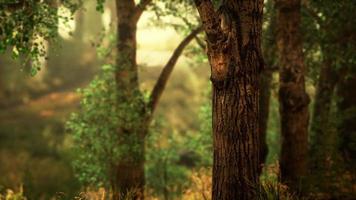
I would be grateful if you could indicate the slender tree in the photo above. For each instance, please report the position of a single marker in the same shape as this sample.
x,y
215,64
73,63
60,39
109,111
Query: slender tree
x,y
269,53
292,95
334,33
346,128
321,116
129,174
234,53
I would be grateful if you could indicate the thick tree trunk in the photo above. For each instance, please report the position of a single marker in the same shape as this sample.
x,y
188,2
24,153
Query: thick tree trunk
x,y
346,106
323,141
292,95
235,57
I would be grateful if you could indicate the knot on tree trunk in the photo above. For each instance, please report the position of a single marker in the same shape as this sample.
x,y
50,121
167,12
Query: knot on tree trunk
x,y
220,58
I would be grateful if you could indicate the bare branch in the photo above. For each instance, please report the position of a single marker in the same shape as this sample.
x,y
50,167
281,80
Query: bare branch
x,y
167,70
200,42
141,7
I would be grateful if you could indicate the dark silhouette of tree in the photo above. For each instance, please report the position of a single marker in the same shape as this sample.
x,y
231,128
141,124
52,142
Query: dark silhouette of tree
x,y
292,95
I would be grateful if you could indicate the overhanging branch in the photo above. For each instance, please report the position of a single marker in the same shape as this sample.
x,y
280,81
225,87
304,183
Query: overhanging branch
x,y
200,42
167,70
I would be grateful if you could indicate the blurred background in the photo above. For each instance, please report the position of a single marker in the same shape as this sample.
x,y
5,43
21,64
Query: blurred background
x,y
33,149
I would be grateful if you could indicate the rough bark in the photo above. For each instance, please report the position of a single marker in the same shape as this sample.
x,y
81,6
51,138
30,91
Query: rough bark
x,y
323,141
234,34
292,95
346,106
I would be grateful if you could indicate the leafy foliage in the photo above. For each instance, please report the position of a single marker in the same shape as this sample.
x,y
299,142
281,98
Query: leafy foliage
x,y
172,158
25,25
165,176
94,129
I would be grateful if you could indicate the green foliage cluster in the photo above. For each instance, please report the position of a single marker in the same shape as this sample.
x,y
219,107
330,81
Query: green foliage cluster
x,y
100,5
171,157
165,177
202,142
24,25
95,133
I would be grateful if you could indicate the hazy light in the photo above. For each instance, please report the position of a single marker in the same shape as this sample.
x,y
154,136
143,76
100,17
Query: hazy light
x,y
65,27
106,18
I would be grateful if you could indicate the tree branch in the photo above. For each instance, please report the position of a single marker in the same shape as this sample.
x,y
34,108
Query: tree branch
x,y
167,70
200,42
141,7
210,20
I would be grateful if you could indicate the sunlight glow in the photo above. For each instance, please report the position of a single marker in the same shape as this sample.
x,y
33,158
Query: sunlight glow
x,y
65,28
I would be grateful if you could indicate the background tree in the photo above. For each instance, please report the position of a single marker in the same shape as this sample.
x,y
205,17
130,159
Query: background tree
x,y
134,112
25,24
329,35
269,52
292,95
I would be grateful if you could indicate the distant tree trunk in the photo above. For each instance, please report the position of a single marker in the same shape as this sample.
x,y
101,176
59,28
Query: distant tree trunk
x,y
292,95
129,176
129,180
265,95
323,141
234,53
269,52
346,106
2,88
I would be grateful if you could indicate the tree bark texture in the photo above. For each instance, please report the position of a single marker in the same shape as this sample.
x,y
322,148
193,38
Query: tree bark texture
x,y
292,95
234,53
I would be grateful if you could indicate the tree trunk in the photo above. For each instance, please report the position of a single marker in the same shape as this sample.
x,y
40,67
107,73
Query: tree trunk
x,y
269,52
346,106
292,95
129,173
323,140
265,95
234,34
129,177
